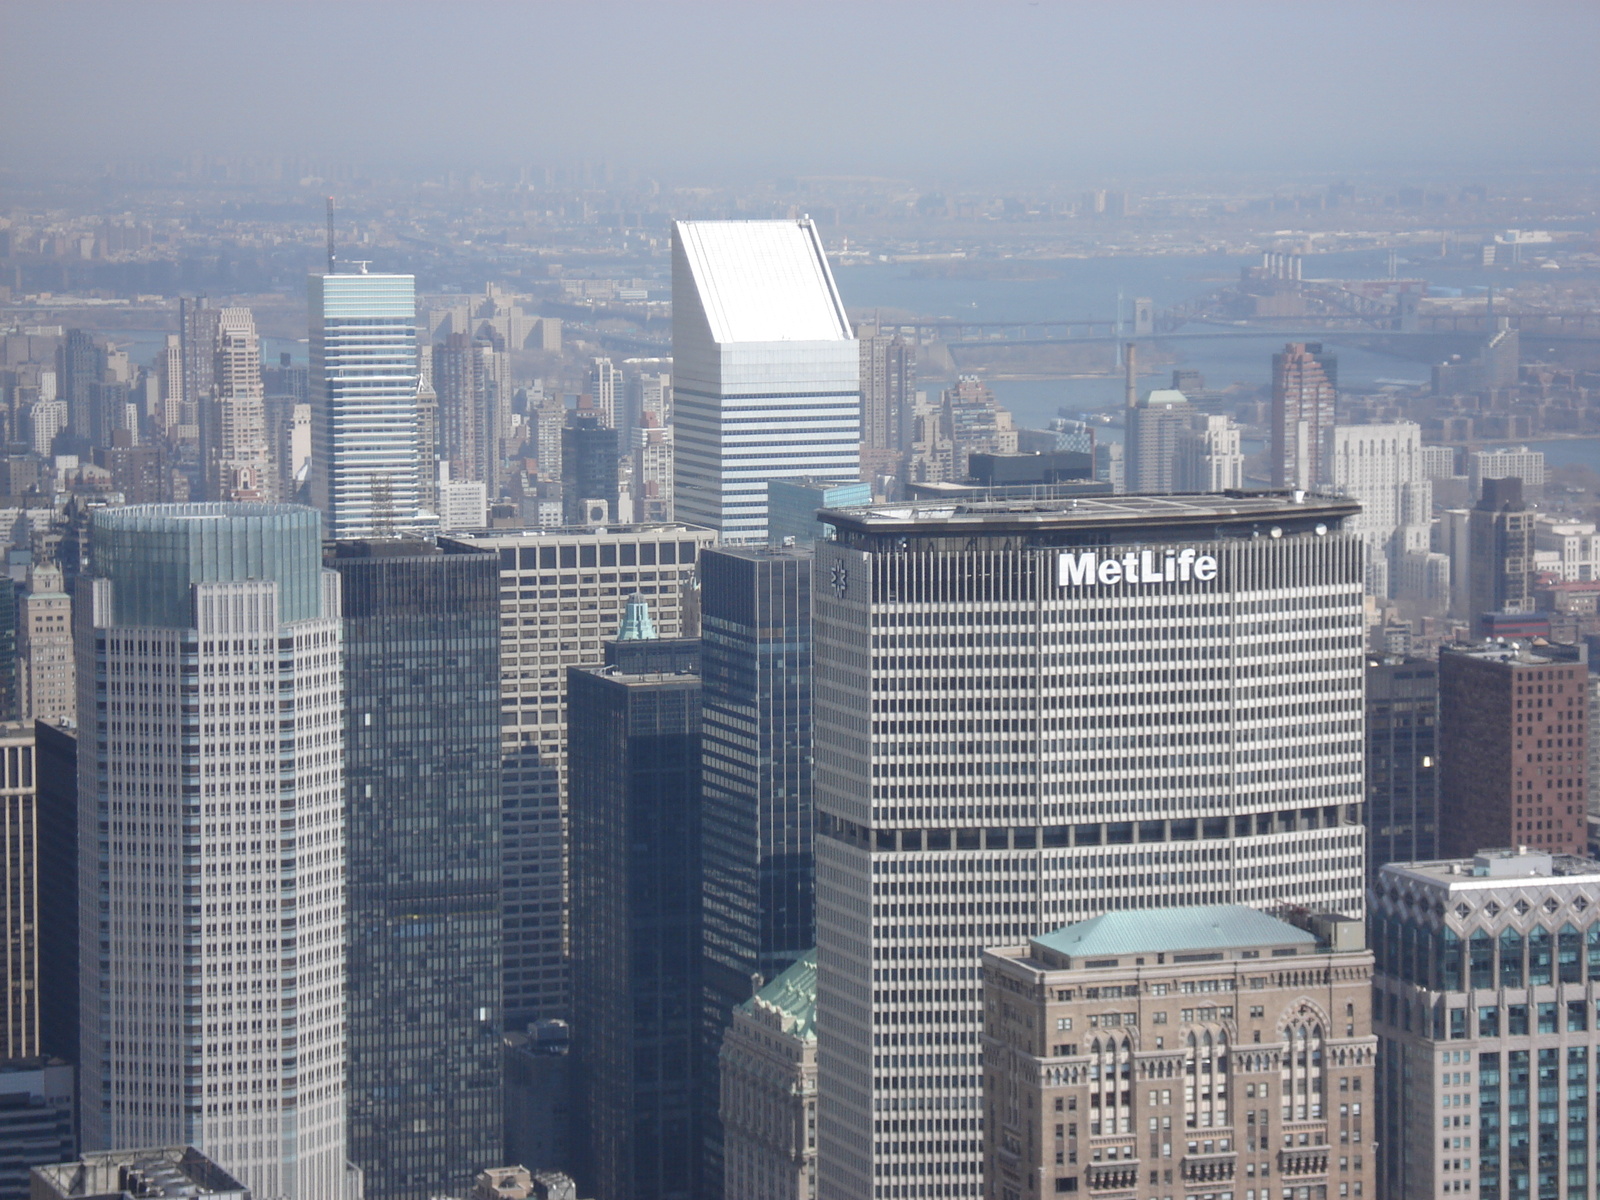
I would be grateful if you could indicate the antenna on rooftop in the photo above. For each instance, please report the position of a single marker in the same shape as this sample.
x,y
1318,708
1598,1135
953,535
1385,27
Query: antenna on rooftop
x,y
330,235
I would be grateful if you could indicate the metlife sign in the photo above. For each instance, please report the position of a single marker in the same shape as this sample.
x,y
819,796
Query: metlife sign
x,y
1085,568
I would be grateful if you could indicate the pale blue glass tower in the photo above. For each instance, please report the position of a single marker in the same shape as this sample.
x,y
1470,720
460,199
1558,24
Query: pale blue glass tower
x,y
366,469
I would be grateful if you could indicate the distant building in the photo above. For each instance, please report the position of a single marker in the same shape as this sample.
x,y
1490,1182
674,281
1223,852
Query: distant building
x,y
538,1096
130,1174
609,391
366,462
1154,424
766,372
19,879
1570,549
1209,455
1516,462
1484,1007
1500,551
590,454
1270,1063
233,426
769,1090
653,450
888,394
1305,383
463,504
634,757
792,506
422,898
45,674
1513,738
973,422
1381,466
1402,761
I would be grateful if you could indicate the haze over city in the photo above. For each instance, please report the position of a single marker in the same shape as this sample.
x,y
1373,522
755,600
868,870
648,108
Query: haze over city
x,y
853,601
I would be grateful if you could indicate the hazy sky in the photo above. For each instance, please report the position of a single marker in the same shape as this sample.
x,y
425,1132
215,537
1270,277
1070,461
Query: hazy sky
x,y
935,90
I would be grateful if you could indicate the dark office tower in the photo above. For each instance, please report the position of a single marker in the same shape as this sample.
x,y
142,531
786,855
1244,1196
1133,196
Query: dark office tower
x,y
58,891
19,892
1513,757
1402,762
422,844
888,390
1500,562
589,452
1305,384
634,762
197,341
756,662
79,364
10,667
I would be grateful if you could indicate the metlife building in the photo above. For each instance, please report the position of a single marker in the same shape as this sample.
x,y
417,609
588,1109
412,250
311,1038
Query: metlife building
x,y
1027,713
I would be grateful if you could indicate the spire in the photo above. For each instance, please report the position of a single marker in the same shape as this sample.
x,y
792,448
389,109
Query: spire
x,y
636,623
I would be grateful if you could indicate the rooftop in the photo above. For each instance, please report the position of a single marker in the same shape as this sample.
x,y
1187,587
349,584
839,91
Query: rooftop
x,y
1204,927
1533,652
177,1172
794,993
763,281
1098,513
1499,867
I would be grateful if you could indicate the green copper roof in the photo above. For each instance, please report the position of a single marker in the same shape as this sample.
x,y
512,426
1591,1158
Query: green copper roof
x,y
636,623
794,993
1168,930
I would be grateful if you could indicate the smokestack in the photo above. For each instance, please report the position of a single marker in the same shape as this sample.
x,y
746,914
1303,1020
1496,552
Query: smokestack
x,y
1131,358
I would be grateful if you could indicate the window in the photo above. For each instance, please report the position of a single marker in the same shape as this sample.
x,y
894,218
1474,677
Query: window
x,y
1063,1024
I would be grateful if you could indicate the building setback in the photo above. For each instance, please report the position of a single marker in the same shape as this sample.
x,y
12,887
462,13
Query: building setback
x,y
1193,1049
1513,747
211,842
634,759
422,836
1485,1006
1033,713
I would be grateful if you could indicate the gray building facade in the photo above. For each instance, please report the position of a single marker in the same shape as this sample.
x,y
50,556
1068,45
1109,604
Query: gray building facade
x,y
422,830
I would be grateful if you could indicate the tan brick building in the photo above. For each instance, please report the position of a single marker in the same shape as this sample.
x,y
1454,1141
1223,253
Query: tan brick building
x,y
1206,1053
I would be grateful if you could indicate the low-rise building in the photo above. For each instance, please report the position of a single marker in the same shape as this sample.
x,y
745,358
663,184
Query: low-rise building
x,y
769,1090
126,1174
1206,1051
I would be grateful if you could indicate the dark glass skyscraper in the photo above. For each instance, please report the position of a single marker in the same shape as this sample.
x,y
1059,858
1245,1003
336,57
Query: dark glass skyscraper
x,y
759,912
422,836
756,655
1402,755
633,762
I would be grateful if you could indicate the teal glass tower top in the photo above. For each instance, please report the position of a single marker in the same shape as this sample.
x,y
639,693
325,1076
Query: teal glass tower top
x,y
153,553
636,623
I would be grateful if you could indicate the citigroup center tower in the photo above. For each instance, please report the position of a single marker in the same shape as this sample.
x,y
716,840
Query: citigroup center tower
x,y
1028,713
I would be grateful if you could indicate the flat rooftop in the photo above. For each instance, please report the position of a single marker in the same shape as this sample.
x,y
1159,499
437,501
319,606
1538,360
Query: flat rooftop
x,y
1500,868
1228,514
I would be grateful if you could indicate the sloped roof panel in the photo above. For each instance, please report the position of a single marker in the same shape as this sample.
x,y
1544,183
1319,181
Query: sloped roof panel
x,y
763,281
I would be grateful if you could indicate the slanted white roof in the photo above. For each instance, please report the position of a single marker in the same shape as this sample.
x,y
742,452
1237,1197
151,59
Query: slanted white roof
x,y
763,281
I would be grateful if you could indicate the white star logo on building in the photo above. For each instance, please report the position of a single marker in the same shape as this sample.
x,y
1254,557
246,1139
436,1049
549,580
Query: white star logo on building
x,y
841,579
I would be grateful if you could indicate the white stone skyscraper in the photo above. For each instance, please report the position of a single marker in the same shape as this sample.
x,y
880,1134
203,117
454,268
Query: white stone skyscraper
x,y
1381,466
1035,713
238,457
366,462
766,372
211,842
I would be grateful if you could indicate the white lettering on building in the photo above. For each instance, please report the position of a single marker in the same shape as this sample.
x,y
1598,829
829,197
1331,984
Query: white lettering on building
x,y
1083,567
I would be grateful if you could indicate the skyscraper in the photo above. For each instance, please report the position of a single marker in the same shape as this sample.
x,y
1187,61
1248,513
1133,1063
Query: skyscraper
x,y
1381,466
233,427
756,662
1209,455
888,393
635,764
1513,757
210,799
590,450
1036,713
19,885
766,374
1305,383
608,392
1500,552
365,462
1402,762
562,594
1154,425
422,837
